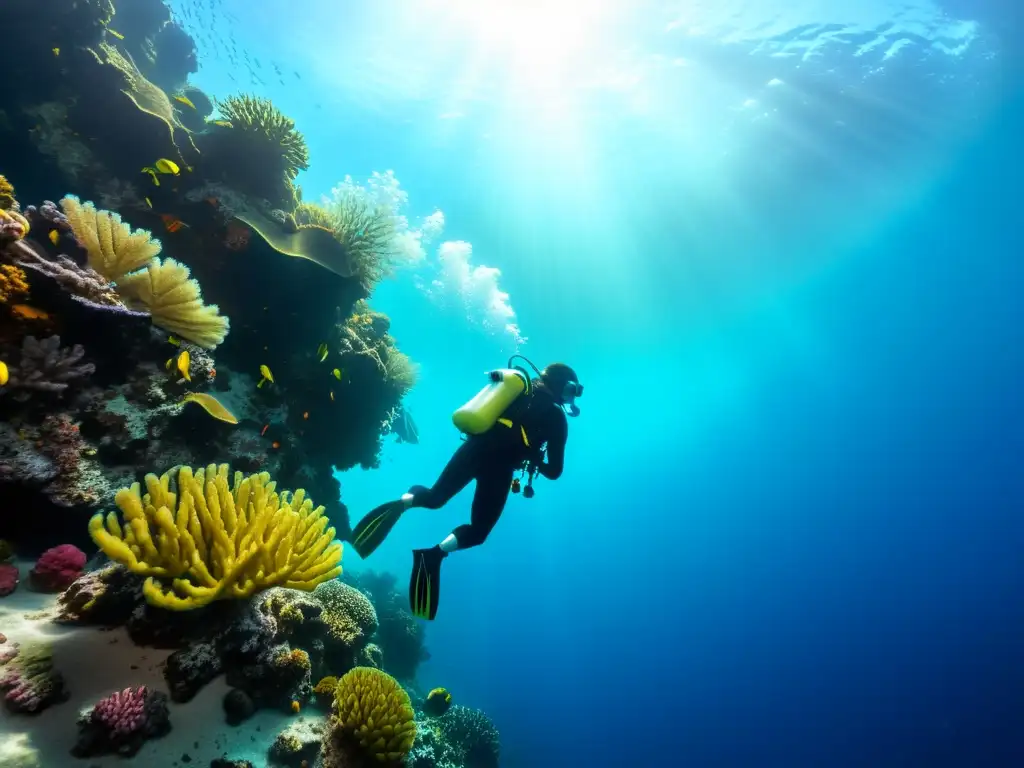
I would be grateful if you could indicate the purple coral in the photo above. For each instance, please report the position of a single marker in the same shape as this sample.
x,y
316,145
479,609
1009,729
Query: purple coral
x,y
45,366
122,722
122,712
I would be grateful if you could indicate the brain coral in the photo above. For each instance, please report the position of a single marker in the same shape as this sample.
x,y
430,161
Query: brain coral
x,y
373,718
348,613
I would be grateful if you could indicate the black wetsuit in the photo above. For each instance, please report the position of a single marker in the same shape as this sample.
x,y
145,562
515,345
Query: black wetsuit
x,y
493,458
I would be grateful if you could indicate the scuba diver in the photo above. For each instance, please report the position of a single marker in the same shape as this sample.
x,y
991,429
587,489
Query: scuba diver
x,y
514,424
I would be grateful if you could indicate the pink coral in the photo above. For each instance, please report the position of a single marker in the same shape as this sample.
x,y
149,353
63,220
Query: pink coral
x,y
8,579
122,712
57,568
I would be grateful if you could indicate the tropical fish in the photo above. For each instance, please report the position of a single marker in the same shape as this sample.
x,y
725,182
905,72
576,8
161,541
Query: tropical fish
x,y
222,123
56,51
305,415
4,373
321,351
163,165
275,445
184,364
169,363
211,405
118,35
152,174
336,373
332,395
264,430
174,340
172,223
267,376
54,237
185,100
148,202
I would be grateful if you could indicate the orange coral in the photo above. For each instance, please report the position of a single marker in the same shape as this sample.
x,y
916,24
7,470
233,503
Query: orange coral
x,y
25,312
13,282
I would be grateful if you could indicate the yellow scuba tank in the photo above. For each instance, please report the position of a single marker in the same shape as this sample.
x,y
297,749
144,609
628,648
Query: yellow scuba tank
x,y
482,412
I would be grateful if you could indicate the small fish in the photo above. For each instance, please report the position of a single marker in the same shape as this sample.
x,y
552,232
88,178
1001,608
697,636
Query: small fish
x,y
332,395
222,123
184,363
174,340
267,376
172,223
305,415
336,373
211,405
54,237
116,34
148,202
185,100
163,165
264,430
169,363
275,445
89,452
56,51
321,351
4,373
152,174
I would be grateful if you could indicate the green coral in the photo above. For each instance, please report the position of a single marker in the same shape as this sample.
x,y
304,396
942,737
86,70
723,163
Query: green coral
x,y
372,716
259,119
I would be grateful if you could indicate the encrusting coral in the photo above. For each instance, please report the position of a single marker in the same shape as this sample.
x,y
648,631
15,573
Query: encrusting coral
x,y
162,288
373,716
228,542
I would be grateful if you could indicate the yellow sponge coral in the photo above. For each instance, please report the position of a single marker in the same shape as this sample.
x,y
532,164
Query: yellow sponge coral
x,y
175,302
114,249
215,541
373,710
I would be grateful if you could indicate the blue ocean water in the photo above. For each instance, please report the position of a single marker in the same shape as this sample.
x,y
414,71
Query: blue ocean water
x,y
779,243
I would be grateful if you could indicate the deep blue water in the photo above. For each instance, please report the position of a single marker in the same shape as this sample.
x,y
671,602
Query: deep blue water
x,y
790,528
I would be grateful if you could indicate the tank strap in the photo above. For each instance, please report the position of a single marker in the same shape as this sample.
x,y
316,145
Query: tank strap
x,y
508,423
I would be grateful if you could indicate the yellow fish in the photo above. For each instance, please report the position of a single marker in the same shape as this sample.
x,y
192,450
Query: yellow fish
x,y
4,373
174,340
185,100
321,351
148,202
222,123
337,374
118,35
152,174
54,237
184,362
211,405
56,51
332,395
169,363
163,165
267,376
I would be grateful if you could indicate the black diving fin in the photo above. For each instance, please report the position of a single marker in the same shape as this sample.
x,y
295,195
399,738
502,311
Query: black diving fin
x,y
425,582
375,527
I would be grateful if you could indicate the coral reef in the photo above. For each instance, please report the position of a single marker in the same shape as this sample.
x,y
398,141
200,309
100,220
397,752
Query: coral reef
x,y
46,366
29,680
122,722
57,568
298,744
473,736
373,718
230,541
400,638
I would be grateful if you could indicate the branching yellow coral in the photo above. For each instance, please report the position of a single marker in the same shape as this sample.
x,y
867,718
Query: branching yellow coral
x,y
175,302
375,712
114,249
216,541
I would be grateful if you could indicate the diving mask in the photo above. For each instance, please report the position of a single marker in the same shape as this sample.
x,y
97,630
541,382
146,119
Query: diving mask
x,y
570,392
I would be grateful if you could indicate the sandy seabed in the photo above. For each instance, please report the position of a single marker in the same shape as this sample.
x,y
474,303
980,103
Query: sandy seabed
x,y
95,663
